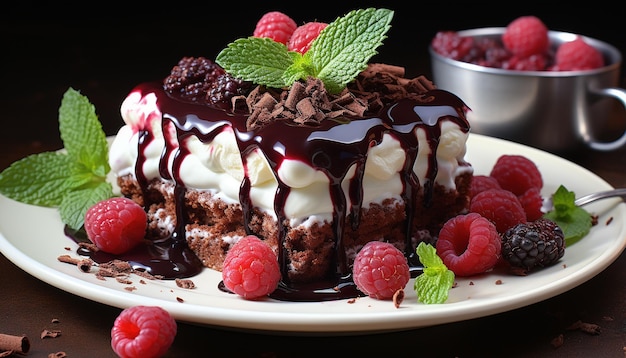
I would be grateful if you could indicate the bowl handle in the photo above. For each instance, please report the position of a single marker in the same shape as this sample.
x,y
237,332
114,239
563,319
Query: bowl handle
x,y
620,95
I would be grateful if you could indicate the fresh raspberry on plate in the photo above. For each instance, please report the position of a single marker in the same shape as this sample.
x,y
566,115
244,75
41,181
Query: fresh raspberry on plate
x,y
482,183
516,173
469,244
275,25
380,270
532,201
302,37
116,225
525,36
143,331
577,55
499,206
251,268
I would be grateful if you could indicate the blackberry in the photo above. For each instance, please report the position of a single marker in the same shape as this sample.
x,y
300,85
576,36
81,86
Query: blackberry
x,y
192,77
533,244
226,87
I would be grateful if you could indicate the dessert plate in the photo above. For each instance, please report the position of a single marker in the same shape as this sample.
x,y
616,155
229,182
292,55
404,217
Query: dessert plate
x,y
32,238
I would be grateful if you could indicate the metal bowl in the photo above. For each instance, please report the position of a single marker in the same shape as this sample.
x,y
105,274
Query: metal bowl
x,y
552,110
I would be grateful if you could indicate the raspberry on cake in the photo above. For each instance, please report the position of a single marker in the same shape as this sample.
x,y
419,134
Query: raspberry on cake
x,y
316,167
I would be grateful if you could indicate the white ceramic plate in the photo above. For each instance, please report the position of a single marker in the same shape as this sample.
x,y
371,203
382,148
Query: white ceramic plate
x,y
32,238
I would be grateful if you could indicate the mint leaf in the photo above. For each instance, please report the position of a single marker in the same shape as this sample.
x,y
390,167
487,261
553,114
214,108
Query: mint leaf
x,y
72,180
340,52
573,220
75,204
82,134
260,60
435,282
39,179
345,46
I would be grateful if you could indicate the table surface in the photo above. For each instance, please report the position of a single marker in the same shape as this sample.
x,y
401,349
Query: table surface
x,y
30,305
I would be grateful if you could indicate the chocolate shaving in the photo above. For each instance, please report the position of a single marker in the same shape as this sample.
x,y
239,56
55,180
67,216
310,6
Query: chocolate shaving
x,y
398,297
57,355
13,344
308,103
83,264
46,333
589,328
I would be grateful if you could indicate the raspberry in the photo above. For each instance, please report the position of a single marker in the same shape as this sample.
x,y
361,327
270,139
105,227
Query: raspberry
x,y
516,173
143,331
539,243
275,25
469,244
537,62
116,225
532,201
526,36
450,44
302,37
577,55
482,183
380,270
500,206
251,268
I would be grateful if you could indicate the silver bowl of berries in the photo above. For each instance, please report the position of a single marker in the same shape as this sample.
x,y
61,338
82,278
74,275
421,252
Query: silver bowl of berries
x,y
548,89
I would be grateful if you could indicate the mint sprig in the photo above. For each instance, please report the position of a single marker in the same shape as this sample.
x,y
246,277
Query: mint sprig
x,y
435,282
72,180
573,220
340,52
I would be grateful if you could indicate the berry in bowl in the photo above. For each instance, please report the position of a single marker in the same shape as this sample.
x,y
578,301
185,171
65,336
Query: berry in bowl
x,y
548,89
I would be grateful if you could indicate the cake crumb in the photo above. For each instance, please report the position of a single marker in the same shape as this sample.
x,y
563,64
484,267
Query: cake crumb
x,y
610,220
180,299
499,282
130,288
186,283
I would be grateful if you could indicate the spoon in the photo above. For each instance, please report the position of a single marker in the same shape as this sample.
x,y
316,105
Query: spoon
x,y
590,198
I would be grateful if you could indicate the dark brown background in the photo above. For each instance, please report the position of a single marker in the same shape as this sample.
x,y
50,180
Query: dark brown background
x,y
104,49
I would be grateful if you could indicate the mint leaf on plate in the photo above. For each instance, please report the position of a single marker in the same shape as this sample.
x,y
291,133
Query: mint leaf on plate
x,y
573,220
435,282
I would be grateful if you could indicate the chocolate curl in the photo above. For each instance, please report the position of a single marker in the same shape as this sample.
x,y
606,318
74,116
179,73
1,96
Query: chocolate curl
x,y
16,344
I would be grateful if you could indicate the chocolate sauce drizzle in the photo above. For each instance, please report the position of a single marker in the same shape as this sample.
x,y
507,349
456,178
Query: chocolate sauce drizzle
x,y
332,146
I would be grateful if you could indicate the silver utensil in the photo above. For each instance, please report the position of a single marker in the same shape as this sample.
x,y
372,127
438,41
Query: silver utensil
x,y
590,198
